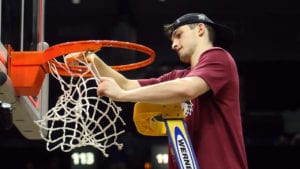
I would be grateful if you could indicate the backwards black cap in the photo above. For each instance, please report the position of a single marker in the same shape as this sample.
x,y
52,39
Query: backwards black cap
x,y
224,35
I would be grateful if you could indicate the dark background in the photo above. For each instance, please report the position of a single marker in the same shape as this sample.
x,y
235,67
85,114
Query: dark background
x,y
266,50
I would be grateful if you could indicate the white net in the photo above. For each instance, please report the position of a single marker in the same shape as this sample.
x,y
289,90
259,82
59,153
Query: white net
x,y
80,118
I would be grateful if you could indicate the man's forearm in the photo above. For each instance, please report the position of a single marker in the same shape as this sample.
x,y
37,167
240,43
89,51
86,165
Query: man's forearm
x,y
107,71
163,93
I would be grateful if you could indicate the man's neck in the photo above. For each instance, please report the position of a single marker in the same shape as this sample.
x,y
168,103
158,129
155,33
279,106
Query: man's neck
x,y
200,50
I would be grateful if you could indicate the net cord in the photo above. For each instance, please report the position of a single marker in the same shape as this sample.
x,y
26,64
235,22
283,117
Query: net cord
x,y
78,118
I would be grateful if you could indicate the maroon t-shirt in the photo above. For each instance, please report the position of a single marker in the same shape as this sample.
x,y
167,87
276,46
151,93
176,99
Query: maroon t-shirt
x,y
215,124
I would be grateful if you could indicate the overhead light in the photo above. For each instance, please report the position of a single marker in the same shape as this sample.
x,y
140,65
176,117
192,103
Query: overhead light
x,y
76,2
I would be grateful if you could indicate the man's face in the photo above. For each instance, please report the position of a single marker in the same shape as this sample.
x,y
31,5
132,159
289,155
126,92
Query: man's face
x,y
184,42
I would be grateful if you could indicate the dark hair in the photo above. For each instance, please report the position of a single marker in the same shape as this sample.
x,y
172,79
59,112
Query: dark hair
x,y
168,30
211,33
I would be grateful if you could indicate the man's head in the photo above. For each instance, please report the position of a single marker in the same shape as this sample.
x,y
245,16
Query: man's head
x,y
220,35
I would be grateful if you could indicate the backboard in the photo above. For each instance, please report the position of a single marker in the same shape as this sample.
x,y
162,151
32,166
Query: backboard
x,y
22,27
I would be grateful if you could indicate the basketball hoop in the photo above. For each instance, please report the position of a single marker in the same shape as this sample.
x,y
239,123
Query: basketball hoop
x,y
96,45
79,118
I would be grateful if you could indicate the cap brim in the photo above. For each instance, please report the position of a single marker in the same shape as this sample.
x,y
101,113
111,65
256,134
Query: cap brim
x,y
224,36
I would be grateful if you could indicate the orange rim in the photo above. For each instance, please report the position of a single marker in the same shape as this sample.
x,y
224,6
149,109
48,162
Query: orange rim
x,y
93,45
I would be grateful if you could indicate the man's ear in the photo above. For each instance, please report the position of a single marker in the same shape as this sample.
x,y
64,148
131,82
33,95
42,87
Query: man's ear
x,y
201,29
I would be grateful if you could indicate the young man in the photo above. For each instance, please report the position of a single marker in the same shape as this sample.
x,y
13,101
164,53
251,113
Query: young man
x,y
211,83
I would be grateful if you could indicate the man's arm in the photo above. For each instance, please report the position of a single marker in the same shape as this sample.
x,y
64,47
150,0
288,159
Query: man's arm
x,y
173,91
102,68
107,71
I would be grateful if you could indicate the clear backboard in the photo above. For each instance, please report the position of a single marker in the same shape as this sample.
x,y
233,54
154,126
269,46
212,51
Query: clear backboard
x,y
22,28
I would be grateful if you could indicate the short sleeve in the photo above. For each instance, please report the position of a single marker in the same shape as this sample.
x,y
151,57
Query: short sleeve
x,y
165,77
214,68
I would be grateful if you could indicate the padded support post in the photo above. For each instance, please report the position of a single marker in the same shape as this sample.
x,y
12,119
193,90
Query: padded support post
x,y
167,120
181,144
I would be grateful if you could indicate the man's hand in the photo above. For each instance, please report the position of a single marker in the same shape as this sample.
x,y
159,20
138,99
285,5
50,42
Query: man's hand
x,y
109,88
74,59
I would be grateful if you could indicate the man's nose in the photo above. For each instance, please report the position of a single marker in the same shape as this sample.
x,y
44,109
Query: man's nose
x,y
174,45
